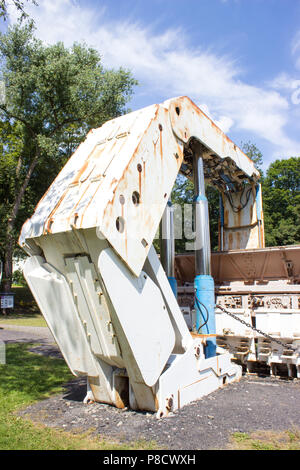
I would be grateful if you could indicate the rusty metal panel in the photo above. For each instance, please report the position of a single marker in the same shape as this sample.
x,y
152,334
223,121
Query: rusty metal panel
x,y
266,264
95,227
189,121
120,178
131,217
240,230
84,172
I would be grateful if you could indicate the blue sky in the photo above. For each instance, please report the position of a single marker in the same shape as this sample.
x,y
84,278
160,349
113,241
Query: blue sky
x,y
239,60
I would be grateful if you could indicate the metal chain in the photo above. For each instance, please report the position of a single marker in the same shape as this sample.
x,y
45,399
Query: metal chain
x,y
292,348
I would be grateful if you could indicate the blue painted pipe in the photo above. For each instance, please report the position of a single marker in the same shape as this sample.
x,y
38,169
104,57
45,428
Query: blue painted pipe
x,y
258,201
205,311
173,284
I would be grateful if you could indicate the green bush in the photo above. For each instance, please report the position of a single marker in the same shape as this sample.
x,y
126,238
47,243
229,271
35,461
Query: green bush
x,y
18,278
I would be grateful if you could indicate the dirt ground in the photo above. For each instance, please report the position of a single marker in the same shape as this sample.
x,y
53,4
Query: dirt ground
x,y
254,403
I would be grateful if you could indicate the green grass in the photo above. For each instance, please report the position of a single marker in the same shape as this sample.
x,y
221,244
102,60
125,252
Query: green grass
x,y
23,320
26,378
267,440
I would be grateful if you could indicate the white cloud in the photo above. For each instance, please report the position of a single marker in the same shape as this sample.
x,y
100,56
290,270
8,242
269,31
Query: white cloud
x,y
296,49
224,122
283,81
166,65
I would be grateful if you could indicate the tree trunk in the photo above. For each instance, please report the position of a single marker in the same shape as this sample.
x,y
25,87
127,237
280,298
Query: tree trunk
x,y
10,239
8,265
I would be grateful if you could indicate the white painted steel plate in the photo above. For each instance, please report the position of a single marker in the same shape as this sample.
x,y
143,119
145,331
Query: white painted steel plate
x,y
142,314
53,296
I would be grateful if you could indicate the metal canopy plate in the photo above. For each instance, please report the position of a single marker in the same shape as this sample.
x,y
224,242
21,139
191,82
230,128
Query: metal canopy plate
x,y
120,178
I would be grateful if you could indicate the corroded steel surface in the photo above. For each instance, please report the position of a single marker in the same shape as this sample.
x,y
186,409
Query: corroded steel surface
x,y
241,225
93,269
119,179
276,263
262,289
189,121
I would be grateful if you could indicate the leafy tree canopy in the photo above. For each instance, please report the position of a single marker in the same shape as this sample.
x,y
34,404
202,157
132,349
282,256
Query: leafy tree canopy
x,y
254,153
18,4
53,96
281,202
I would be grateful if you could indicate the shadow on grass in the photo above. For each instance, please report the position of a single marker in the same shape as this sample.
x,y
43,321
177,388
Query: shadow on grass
x,y
29,377
26,378
76,390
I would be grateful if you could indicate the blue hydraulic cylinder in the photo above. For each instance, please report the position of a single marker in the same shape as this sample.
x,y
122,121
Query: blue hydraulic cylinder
x,y
205,311
173,284
203,283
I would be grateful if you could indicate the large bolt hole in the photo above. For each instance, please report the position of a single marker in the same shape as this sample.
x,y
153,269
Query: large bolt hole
x,y
144,243
120,224
136,198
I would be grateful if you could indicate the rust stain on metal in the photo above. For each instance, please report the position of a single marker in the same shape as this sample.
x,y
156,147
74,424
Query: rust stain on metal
x,y
160,142
226,218
95,153
197,335
231,266
74,182
88,204
81,171
178,399
238,239
196,382
140,182
132,159
57,177
49,223
251,213
215,127
118,401
113,182
239,216
156,402
154,149
230,240
76,205
54,210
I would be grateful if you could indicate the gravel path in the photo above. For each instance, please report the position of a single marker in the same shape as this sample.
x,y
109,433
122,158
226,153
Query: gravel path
x,y
25,334
254,403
